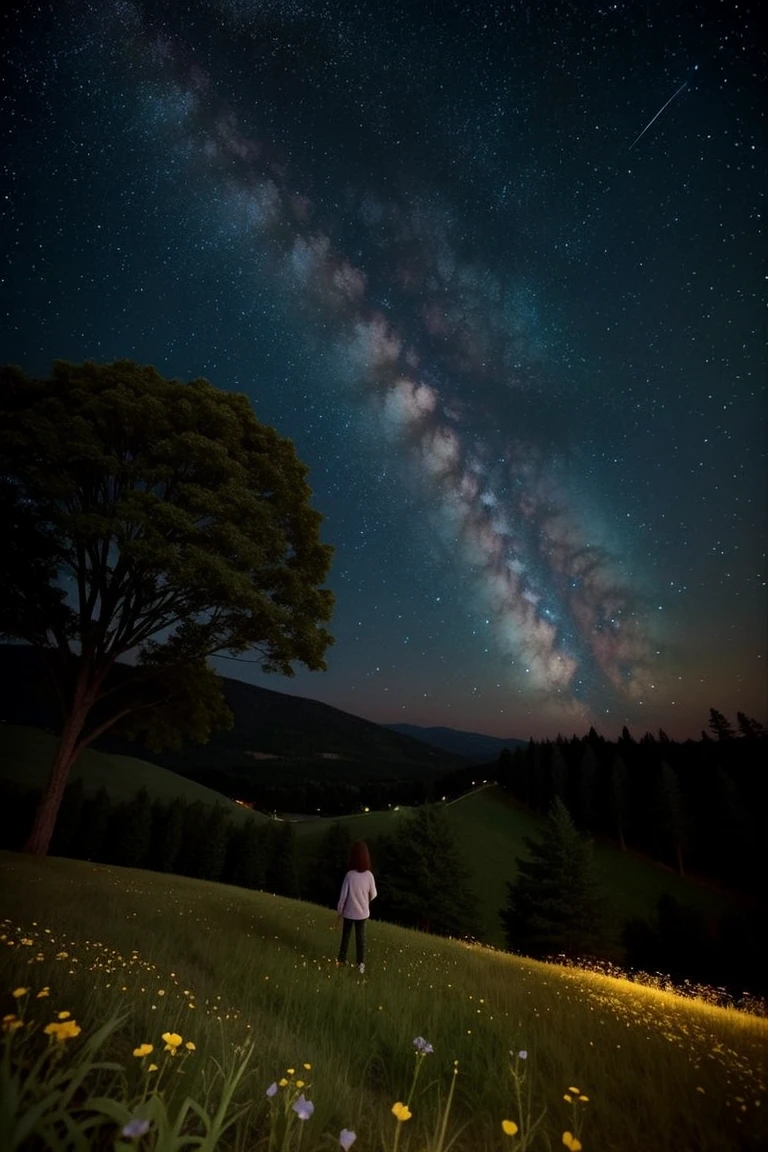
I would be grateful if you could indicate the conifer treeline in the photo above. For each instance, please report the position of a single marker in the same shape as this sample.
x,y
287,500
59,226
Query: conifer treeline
x,y
697,806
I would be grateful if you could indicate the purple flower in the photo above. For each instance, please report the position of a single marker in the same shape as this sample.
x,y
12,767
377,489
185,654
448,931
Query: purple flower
x,y
423,1046
303,1108
523,1055
347,1139
272,1090
135,1128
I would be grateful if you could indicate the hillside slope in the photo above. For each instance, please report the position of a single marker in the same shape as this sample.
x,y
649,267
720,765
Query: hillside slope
x,y
491,830
226,968
475,746
26,755
268,726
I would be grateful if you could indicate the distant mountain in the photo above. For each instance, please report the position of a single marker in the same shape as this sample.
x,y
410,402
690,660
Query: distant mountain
x,y
475,746
273,732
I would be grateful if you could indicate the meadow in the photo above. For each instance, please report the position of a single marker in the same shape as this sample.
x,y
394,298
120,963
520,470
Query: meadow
x,y
244,988
491,829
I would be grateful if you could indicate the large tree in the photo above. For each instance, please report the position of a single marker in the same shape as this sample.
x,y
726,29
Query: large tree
x,y
157,521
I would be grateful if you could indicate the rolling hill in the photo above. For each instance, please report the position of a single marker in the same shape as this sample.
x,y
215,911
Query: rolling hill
x,y
475,746
26,755
272,731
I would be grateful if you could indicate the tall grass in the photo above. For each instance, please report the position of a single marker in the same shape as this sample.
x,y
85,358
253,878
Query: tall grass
x,y
250,980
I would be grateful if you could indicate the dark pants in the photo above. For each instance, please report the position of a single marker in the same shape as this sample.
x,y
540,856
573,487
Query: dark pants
x,y
346,932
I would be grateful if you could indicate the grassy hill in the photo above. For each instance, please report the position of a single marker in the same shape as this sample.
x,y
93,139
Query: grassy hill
x,y
491,829
227,969
26,755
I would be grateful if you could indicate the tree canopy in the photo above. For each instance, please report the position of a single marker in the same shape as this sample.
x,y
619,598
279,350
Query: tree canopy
x,y
154,520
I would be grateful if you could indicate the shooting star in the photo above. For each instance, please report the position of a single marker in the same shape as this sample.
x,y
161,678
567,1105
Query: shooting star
x,y
655,118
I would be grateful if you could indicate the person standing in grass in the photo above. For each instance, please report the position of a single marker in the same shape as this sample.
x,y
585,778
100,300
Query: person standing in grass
x,y
353,908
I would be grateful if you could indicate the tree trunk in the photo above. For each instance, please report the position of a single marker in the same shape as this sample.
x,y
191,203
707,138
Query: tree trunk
x,y
64,758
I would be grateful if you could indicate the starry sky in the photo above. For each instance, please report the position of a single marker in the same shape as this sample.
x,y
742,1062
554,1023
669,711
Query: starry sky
x,y
496,268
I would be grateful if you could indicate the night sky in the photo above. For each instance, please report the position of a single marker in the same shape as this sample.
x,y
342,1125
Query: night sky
x,y
507,304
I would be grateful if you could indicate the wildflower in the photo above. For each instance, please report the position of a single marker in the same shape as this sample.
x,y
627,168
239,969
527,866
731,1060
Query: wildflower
x,y
62,955
143,1050
299,1083
571,1142
575,1091
401,1111
423,1046
19,992
172,1041
290,1071
307,1066
283,1082
568,1098
67,1030
272,1090
11,1023
63,1015
303,1108
509,1127
152,1068
583,1098
135,1128
43,993
347,1138
522,1055
190,1046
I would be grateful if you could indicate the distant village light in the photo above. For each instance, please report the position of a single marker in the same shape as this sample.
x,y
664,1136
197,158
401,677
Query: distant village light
x,y
366,809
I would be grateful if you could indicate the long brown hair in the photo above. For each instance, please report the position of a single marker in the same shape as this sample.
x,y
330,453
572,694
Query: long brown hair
x,y
359,857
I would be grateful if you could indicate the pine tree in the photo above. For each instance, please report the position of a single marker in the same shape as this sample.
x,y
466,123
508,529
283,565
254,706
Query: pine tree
x,y
422,880
618,785
131,831
167,835
720,726
554,904
749,728
246,856
69,819
282,872
671,814
92,835
587,784
329,866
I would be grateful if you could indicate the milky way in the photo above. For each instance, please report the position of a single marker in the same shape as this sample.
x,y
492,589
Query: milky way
x,y
443,358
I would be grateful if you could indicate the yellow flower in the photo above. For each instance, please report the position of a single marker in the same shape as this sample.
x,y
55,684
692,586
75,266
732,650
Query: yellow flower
x,y
583,1097
571,1142
26,940
62,955
282,1082
152,1068
568,1098
43,993
299,1083
509,1127
11,1023
67,1030
290,1071
143,1050
19,992
64,1015
172,1039
574,1090
190,1046
401,1112
307,1066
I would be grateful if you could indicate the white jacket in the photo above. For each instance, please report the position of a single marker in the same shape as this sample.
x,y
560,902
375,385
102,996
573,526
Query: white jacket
x,y
357,891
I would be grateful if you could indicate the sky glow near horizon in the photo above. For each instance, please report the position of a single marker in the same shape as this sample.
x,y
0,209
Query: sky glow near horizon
x,y
518,344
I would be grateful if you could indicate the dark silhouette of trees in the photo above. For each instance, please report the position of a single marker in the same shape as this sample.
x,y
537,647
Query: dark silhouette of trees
x,y
329,866
750,729
146,516
421,878
671,821
555,904
720,726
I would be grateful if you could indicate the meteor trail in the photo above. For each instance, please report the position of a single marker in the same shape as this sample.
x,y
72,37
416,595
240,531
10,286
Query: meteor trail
x,y
655,118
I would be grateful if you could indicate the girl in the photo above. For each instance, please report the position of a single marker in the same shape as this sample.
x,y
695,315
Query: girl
x,y
357,891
